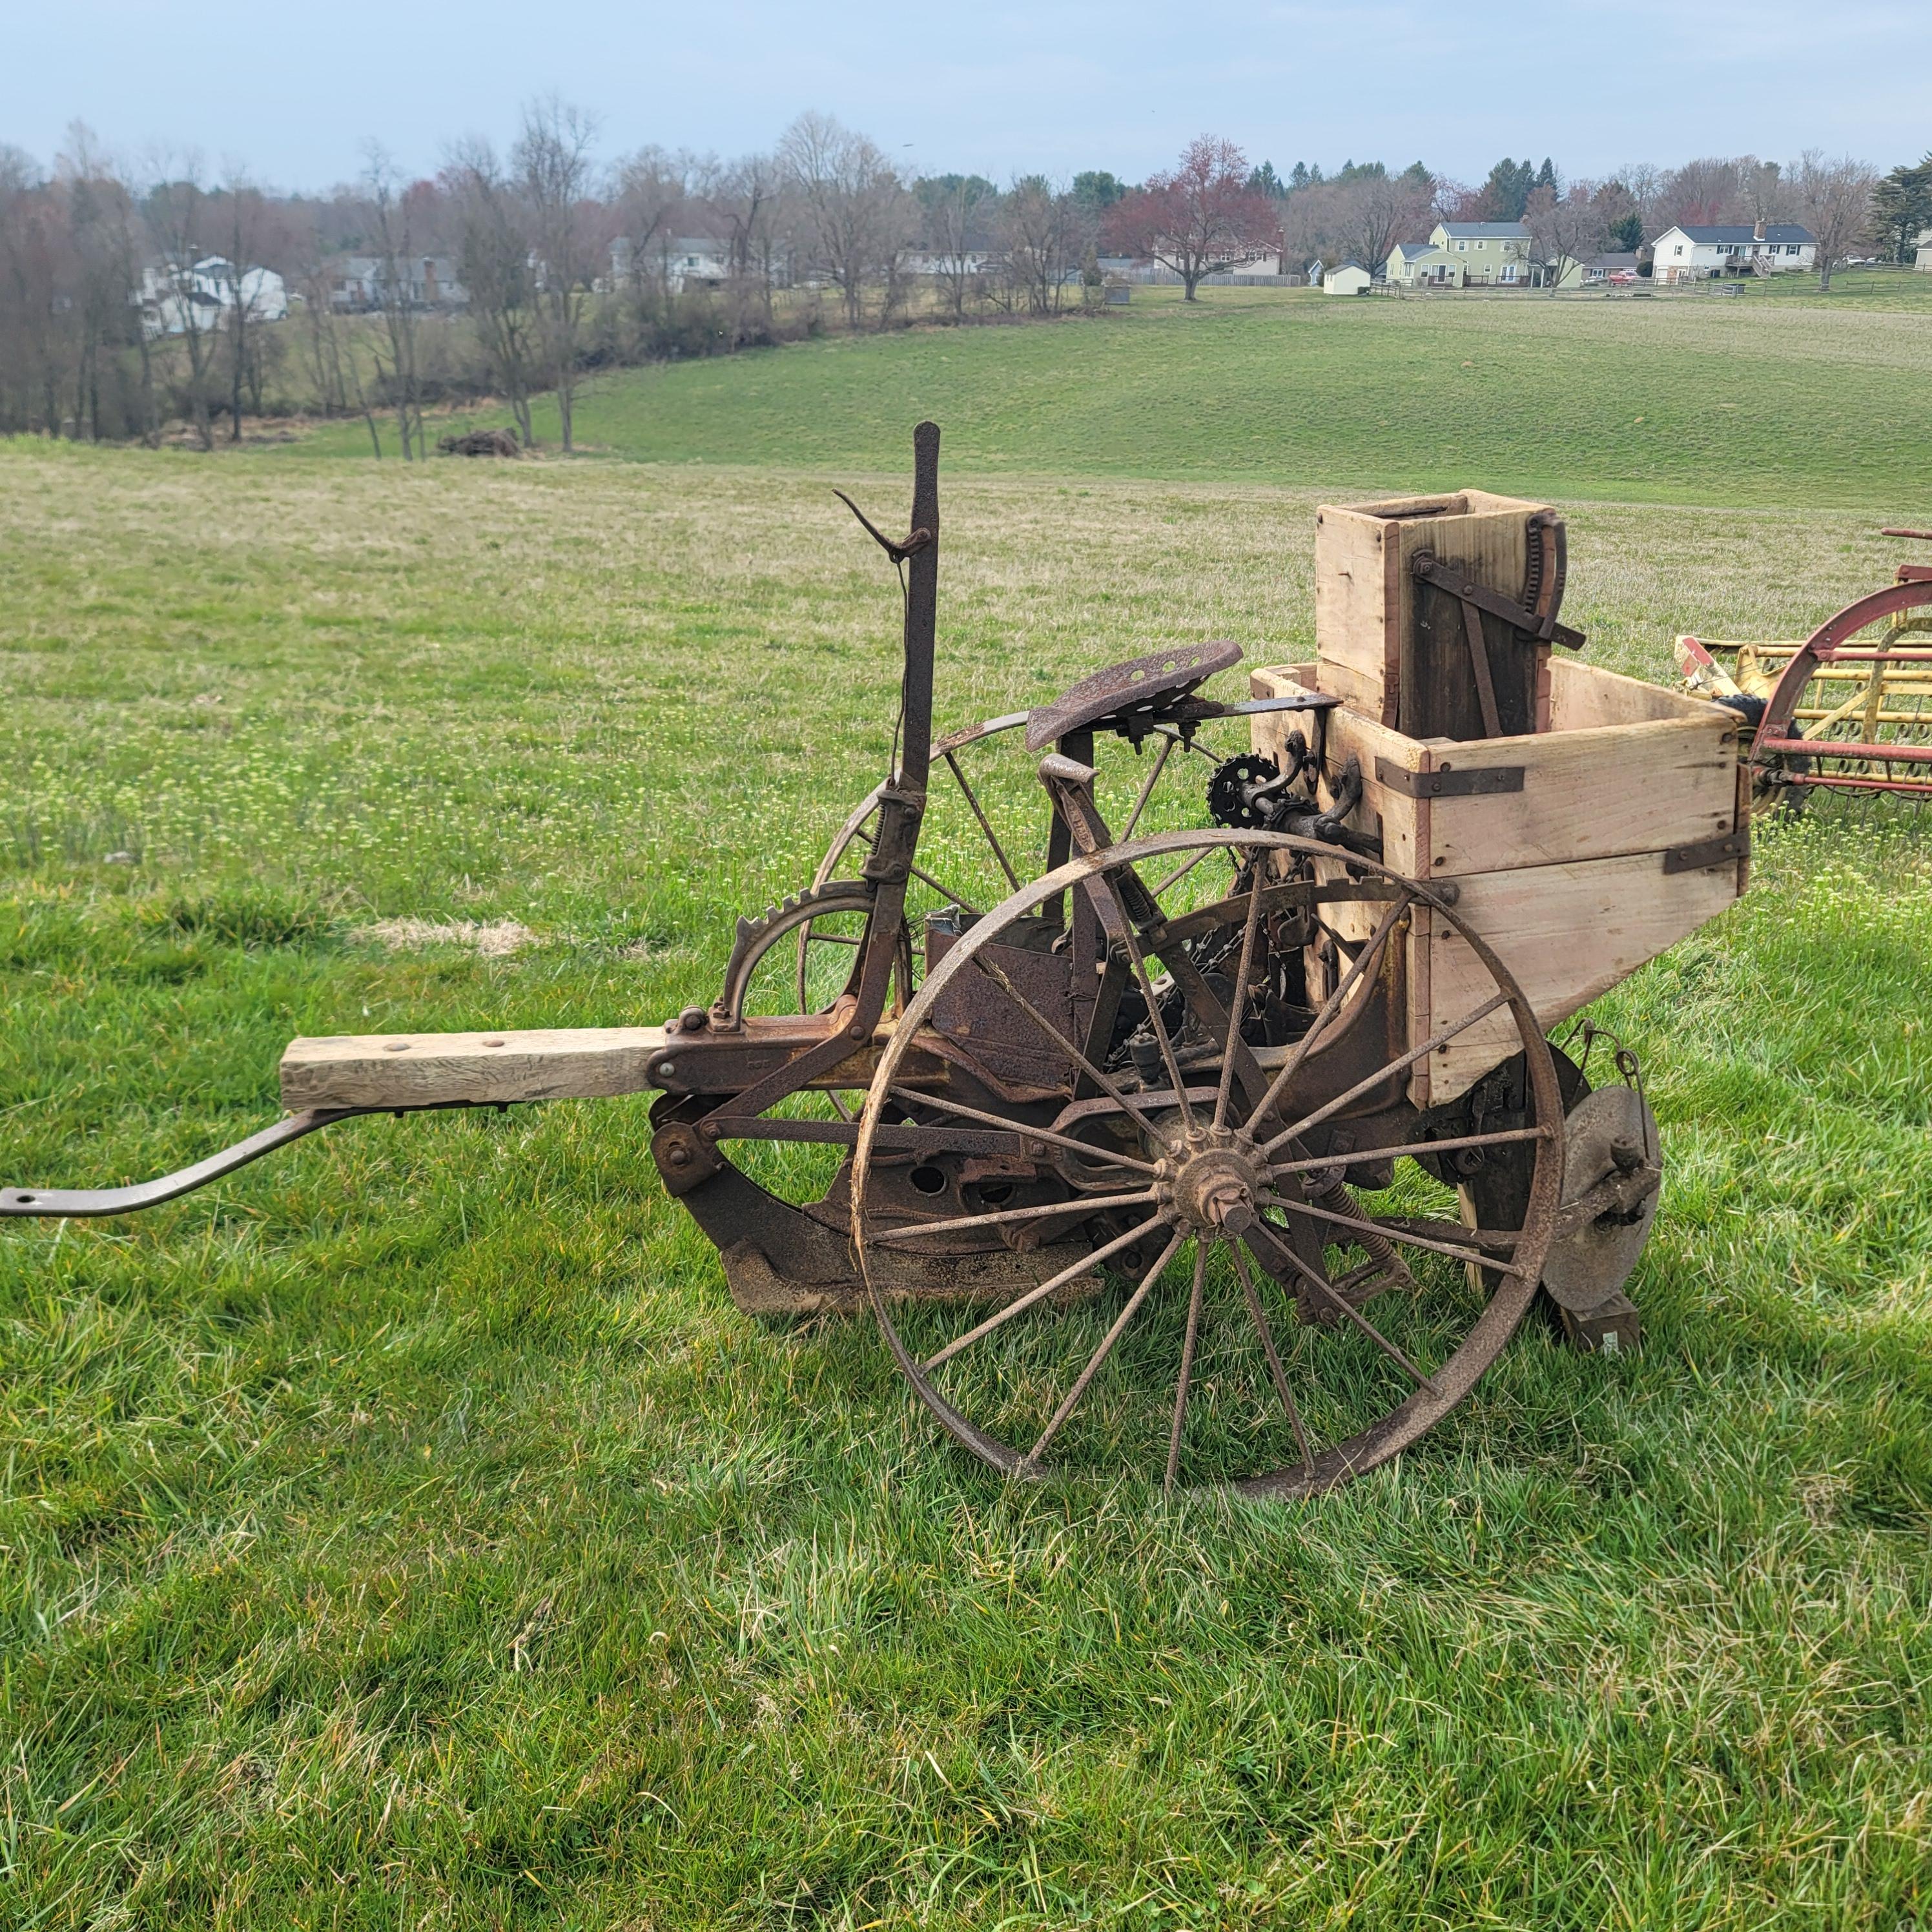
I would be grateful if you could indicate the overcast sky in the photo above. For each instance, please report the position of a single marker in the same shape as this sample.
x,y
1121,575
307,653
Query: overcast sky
x,y
295,92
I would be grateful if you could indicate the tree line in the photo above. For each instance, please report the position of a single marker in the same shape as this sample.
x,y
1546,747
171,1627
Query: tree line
x,y
129,309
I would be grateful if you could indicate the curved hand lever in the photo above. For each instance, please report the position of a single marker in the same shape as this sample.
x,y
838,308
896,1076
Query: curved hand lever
x,y
916,542
73,1201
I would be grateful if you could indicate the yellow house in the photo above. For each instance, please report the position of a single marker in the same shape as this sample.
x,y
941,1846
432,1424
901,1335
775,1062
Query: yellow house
x,y
1466,254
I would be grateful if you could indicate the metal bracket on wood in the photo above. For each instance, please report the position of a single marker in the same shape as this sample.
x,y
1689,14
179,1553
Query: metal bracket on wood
x,y
1705,852
1428,569
1449,781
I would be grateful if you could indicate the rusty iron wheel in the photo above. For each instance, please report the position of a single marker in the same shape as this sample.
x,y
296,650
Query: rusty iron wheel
x,y
1849,713
1250,1248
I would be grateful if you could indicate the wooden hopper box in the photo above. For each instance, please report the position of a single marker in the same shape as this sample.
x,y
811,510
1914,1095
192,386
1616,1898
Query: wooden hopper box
x,y
1578,853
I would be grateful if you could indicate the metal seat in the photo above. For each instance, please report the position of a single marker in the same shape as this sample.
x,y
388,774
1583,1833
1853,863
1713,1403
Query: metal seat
x,y
1131,698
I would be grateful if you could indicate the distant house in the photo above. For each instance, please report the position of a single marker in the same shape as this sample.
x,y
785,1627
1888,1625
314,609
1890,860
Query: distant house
x,y
1688,253
1923,259
1347,278
174,301
1418,265
948,261
1485,254
687,262
1599,271
427,281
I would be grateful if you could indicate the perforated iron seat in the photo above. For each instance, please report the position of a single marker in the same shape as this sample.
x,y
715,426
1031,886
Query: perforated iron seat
x,y
1131,698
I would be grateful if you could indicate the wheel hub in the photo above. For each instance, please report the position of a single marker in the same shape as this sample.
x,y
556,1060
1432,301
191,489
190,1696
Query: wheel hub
x,y
1211,1173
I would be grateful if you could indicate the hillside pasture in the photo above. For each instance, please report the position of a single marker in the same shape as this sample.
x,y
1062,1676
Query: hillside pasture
x,y
1685,398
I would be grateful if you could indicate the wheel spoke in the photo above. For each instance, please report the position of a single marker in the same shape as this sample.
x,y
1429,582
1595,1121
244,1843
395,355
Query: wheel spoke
x,y
1181,870
1376,1079
1021,1304
1138,960
1238,1007
1364,963
1071,1401
911,1096
1259,1316
1161,757
992,839
1394,1231
1412,1148
1041,1211
1186,1375
1326,1289
1104,1081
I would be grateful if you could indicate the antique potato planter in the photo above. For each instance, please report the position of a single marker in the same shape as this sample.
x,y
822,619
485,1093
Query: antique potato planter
x,y
1233,1150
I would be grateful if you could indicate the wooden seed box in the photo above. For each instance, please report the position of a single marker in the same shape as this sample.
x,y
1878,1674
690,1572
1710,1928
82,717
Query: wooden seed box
x,y
1394,650
1578,853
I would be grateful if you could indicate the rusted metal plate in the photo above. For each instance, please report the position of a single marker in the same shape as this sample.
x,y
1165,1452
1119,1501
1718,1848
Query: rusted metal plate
x,y
1449,781
1705,852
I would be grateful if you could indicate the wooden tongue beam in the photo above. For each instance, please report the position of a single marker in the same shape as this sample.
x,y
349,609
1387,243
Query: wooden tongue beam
x,y
427,1069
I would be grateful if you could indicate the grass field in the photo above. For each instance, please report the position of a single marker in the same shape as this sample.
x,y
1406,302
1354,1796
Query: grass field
x,y
1680,399
408,1532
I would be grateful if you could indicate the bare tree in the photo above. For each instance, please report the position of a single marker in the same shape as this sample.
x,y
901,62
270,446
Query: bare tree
x,y
957,232
494,253
745,200
388,217
242,289
1568,229
108,244
654,189
333,370
1644,182
179,216
551,163
1375,211
1200,216
1041,229
1835,200
852,206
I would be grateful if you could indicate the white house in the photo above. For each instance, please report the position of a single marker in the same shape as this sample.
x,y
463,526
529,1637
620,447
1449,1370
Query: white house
x,y
1698,253
428,281
1923,259
1347,278
174,299
978,259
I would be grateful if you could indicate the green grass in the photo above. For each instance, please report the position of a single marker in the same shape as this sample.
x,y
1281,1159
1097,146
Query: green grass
x,y
1681,399
408,1531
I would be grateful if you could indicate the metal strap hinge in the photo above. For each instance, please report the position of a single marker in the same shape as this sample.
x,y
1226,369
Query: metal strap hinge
x,y
1703,852
1449,781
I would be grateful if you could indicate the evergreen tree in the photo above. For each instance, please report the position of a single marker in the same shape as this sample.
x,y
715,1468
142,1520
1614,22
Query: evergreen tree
x,y
1902,209
1506,193
1298,178
1264,180
1096,190
1626,234
1546,177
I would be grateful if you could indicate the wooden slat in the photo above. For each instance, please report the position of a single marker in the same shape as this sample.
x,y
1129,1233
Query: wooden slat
x,y
1568,932
1590,794
1583,695
1354,616
416,1069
